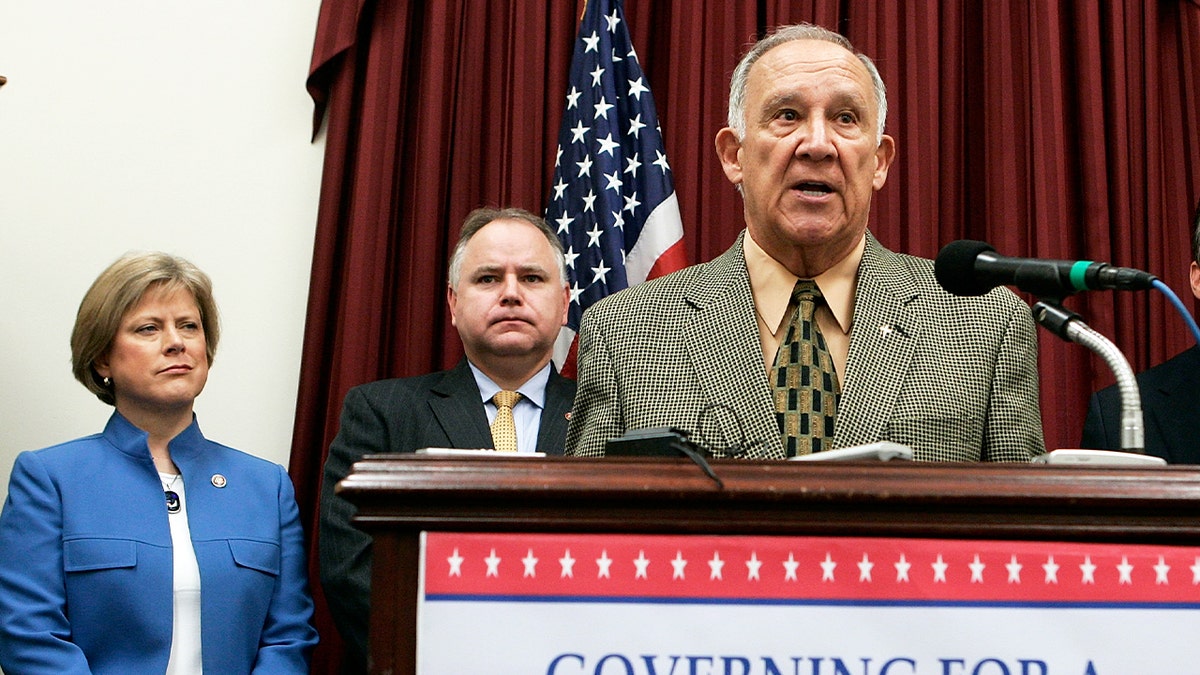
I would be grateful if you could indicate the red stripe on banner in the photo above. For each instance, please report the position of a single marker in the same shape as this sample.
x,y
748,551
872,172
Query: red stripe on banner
x,y
807,568
671,260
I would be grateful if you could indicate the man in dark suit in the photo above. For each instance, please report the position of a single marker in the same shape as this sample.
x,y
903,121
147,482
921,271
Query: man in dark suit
x,y
1170,398
900,359
508,298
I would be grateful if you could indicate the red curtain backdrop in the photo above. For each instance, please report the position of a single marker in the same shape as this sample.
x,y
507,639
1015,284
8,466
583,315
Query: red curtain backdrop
x,y
1058,129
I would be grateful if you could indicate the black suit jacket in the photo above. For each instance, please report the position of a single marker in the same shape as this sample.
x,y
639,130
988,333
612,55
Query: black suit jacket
x,y
1170,405
442,410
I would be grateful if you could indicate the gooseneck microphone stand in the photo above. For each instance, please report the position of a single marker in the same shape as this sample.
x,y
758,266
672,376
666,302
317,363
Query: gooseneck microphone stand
x,y
1070,326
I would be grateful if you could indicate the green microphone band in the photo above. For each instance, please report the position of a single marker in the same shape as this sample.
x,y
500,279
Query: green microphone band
x,y
1078,272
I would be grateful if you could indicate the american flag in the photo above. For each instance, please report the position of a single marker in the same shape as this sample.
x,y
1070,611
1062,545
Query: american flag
x,y
612,201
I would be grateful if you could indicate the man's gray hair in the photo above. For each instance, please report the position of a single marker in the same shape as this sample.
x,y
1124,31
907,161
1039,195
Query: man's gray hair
x,y
477,219
784,34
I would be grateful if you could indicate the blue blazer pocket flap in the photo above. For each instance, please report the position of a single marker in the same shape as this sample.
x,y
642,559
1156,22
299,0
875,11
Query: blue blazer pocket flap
x,y
82,555
256,555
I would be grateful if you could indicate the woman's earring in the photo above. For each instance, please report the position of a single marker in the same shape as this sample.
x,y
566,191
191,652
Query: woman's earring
x,y
107,382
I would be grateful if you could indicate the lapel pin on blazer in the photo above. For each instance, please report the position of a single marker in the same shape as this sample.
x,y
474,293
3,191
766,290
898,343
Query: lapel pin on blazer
x,y
888,329
218,480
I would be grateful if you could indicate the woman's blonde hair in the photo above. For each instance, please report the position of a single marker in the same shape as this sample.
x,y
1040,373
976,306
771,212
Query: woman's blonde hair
x,y
119,289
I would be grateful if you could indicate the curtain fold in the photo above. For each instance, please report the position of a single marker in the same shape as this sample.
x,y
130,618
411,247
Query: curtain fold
x,y
1064,129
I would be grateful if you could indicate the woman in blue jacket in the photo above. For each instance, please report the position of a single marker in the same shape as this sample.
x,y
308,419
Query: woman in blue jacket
x,y
148,548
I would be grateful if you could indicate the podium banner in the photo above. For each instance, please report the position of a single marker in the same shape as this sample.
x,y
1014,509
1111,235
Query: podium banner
x,y
565,604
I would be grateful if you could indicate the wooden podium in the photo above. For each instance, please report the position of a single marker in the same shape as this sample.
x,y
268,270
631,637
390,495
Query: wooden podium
x,y
399,496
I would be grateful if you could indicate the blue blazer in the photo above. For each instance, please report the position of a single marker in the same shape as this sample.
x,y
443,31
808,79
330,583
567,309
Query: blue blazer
x,y
86,564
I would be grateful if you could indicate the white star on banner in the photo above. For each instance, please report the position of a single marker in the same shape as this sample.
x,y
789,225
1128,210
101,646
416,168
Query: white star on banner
x,y
1051,570
530,564
456,562
1125,571
1160,572
790,565
568,566
1014,571
753,565
493,564
603,563
939,570
678,564
864,568
1088,570
902,567
827,567
641,563
977,570
715,566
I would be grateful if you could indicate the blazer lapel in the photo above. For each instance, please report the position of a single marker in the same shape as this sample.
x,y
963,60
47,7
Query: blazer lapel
x,y
552,430
455,403
1171,405
882,342
721,341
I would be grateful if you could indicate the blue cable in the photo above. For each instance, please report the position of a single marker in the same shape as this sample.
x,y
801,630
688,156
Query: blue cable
x,y
1183,311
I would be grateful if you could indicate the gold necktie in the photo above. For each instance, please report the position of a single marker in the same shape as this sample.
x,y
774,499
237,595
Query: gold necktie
x,y
504,430
804,381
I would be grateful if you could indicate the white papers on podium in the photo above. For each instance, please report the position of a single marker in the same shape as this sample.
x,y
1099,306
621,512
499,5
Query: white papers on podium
x,y
481,452
1098,458
882,450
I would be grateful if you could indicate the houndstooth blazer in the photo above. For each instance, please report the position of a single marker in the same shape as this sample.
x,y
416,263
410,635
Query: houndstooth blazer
x,y
954,378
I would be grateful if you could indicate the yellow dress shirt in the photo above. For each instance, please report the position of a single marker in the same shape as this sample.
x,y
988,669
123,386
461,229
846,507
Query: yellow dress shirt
x,y
771,284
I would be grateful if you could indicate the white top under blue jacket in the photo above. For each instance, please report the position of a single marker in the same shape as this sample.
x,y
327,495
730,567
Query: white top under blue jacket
x,y
86,562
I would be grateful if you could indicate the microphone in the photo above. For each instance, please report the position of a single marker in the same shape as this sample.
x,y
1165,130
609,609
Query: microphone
x,y
1070,326
967,267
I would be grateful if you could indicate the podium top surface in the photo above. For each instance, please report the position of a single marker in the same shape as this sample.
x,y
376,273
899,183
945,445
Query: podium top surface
x,y
637,494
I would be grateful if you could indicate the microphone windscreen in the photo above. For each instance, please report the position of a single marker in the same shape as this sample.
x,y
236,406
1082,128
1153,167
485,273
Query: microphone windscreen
x,y
955,267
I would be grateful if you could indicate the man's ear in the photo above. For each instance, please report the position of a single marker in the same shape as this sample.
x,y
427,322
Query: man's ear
x,y
885,154
1195,278
452,302
729,151
566,304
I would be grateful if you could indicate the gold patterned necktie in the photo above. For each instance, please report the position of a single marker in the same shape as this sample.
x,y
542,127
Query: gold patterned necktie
x,y
804,381
504,430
